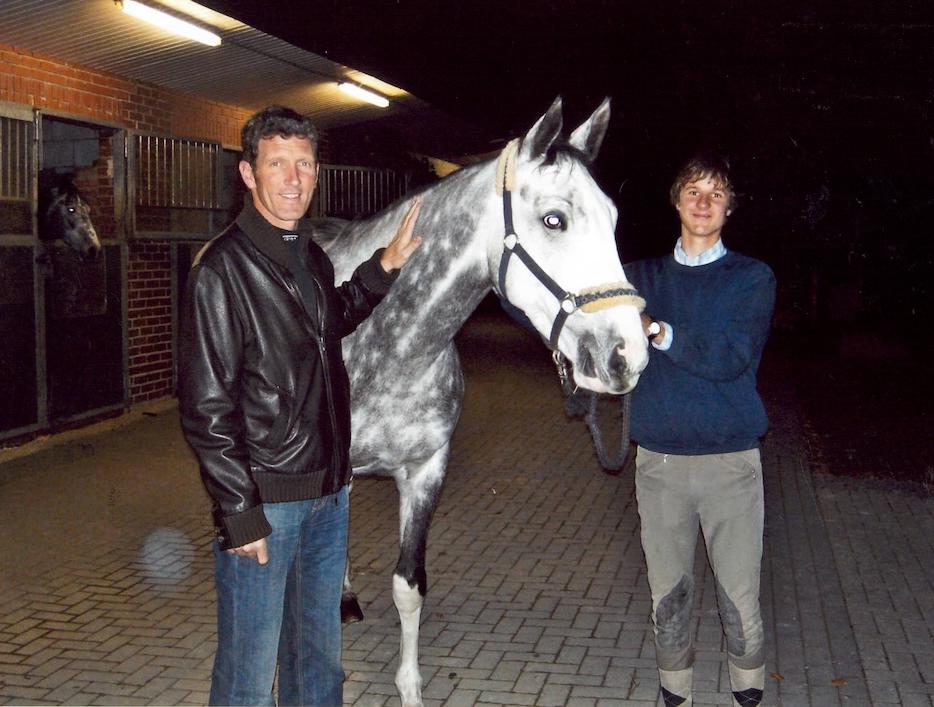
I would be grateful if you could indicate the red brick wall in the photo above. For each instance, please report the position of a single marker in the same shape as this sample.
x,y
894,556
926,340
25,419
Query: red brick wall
x,y
149,281
39,81
36,80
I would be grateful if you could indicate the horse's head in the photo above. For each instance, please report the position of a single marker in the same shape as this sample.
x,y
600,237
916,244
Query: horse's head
x,y
64,214
560,266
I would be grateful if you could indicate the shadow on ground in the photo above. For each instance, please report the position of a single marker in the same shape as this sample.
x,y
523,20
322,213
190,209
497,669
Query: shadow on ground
x,y
868,412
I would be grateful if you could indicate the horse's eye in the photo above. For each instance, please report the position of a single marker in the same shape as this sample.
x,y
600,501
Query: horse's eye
x,y
554,220
71,209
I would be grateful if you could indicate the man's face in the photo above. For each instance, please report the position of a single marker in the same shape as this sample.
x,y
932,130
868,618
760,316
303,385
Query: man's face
x,y
283,180
703,206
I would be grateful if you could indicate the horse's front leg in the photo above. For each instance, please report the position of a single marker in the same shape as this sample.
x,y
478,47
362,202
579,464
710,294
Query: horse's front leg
x,y
419,489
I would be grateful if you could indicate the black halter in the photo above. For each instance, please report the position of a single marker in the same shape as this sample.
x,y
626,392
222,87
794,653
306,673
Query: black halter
x,y
569,301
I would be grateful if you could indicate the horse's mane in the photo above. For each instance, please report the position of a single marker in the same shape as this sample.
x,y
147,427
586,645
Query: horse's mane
x,y
349,242
327,230
359,237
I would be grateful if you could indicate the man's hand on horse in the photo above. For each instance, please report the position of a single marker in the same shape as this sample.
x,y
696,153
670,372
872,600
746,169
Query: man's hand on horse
x,y
404,242
255,550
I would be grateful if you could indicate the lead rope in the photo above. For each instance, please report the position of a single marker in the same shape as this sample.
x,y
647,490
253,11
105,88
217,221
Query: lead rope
x,y
584,403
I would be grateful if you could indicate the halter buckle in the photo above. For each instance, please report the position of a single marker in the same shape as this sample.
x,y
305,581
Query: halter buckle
x,y
569,303
509,242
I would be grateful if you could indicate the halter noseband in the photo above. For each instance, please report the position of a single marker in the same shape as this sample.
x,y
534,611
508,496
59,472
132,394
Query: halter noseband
x,y
591,299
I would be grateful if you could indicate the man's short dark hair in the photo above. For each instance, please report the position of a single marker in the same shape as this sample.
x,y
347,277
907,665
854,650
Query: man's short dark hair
x,y
272,121
705,164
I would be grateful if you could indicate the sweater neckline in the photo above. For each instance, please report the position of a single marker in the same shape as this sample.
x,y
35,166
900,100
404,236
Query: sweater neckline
x,y
681,267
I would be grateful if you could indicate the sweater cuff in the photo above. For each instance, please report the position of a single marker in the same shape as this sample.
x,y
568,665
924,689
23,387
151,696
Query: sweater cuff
x,y
242,528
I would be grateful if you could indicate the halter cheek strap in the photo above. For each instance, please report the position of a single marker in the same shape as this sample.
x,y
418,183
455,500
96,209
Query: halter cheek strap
x,y
591,299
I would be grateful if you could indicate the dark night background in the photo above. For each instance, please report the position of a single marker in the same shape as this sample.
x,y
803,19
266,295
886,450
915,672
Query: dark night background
x,y
825,110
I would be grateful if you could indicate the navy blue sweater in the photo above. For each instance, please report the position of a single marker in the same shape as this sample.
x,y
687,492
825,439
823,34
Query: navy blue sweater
x,y
699,396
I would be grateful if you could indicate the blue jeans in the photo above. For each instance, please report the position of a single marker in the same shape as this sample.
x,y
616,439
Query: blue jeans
x,y
286,612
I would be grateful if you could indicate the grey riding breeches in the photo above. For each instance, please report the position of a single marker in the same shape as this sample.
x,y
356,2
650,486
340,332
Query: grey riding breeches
x,y
722,496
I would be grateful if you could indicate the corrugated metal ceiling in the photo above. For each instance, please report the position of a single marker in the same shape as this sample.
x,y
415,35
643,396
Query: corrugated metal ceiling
x,y
249,69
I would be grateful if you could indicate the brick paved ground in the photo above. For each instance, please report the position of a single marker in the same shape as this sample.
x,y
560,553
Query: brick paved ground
x,y
537,583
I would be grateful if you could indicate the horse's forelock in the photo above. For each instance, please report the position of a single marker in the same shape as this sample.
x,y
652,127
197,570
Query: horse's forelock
x,y
563,151
564,156
68,187
59,188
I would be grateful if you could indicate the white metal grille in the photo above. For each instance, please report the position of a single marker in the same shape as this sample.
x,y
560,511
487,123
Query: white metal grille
x,y
14,159
352,192
176,173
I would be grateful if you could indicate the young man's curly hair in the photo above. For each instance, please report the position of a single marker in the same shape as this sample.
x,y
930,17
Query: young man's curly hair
x,y
705,164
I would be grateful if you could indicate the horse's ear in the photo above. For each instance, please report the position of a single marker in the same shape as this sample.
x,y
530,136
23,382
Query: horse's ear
x,y
589,135
543,133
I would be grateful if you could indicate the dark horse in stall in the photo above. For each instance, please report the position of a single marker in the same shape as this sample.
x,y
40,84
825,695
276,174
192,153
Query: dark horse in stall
x,y
64,215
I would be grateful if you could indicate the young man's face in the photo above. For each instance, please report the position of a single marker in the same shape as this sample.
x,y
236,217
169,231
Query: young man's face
x,y
283,180
703,206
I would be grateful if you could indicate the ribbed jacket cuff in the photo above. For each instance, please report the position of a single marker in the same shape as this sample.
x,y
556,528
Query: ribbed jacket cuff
x,y
242,528
281,488
374,277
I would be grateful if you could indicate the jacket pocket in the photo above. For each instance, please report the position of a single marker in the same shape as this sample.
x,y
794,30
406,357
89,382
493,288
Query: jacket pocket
x,y
277,432
270,418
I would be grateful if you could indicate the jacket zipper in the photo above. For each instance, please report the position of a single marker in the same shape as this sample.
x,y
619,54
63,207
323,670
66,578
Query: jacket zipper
x,y
319,337
322,352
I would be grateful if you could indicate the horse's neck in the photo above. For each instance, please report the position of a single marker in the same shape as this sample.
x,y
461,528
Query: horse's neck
x,y
434,296
443,283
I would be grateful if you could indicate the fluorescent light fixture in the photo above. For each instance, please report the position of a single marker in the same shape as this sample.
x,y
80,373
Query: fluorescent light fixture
x,y
364,95
168,22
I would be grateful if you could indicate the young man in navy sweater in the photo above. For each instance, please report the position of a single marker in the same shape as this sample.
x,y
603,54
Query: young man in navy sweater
x,y
698,419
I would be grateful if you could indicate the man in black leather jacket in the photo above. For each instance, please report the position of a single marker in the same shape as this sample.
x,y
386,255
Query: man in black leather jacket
x,y
264,403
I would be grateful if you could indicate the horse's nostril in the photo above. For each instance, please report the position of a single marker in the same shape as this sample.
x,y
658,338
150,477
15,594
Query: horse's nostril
x,y
617,363
585,362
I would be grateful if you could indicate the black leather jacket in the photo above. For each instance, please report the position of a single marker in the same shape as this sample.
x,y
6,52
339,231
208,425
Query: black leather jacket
x,y
264,398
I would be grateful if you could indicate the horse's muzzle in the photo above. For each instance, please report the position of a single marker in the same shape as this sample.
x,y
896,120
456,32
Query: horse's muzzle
x,y
604,370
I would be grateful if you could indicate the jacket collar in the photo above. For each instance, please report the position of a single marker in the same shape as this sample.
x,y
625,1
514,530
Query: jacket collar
x,y
268,238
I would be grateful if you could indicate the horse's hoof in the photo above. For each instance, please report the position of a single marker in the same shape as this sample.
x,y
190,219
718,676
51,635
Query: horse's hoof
x,y
350,609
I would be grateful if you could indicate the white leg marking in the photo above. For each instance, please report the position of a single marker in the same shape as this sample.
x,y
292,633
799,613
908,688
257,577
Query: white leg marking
x,y
409,605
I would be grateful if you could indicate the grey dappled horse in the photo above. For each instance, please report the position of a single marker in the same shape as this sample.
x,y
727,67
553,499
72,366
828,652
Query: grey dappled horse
x,y
533,226
63,214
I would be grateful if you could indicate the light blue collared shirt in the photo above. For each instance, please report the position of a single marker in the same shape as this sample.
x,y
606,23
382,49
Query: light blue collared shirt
x,y
714,252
